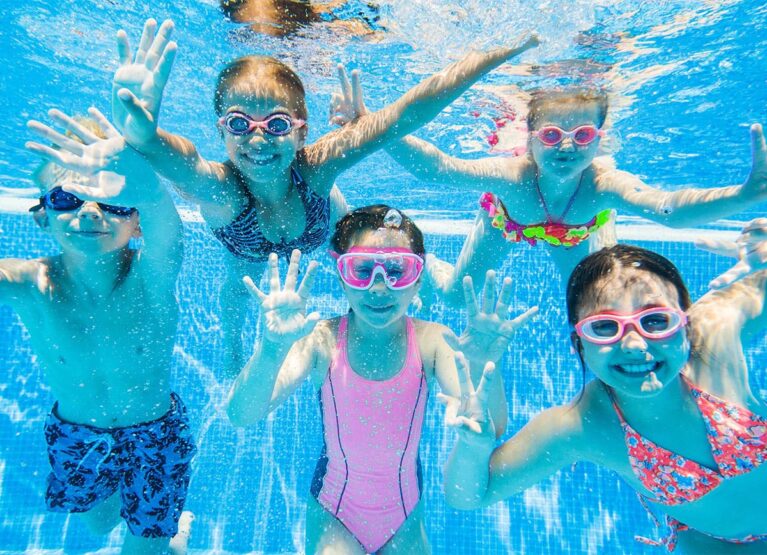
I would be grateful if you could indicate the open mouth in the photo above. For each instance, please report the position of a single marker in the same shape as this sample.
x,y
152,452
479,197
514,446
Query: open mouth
x,y
258,159
639,369
90,233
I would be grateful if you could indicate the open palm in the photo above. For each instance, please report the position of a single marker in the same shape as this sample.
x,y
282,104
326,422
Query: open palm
x,y
283,308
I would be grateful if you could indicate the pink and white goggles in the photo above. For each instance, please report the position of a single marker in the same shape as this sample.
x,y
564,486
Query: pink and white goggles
x,y
399,267
658,322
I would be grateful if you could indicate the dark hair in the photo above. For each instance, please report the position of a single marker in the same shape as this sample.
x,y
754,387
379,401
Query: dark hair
x,y
372,218
540,98
258,73
598,265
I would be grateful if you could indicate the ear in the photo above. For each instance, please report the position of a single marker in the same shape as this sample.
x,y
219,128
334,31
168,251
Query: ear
x,y
41,218
303,132
576,343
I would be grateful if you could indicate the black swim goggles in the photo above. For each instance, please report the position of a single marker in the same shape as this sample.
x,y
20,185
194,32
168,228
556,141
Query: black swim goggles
x,y
61,201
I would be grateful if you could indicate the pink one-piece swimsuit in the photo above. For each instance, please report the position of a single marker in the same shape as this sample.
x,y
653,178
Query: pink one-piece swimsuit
x,y
368,476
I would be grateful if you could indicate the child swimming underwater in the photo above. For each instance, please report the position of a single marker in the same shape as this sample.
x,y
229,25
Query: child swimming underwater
x,y
274,193
560,193
372,369
671,410
102,321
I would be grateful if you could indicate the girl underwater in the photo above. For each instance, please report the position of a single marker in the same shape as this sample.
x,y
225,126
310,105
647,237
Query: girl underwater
x,y
372,368
560,185
671,410
274,193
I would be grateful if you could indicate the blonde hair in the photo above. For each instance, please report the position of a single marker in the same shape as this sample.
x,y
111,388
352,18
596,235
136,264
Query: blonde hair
x,y
539,99
257,74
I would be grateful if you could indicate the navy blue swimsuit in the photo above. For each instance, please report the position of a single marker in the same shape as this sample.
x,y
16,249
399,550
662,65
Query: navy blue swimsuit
x,y
243,237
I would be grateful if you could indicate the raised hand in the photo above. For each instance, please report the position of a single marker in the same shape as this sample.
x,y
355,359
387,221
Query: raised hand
x,y
283,309
347,105
140,80
756,184
100,163
750,248
488,331
470,413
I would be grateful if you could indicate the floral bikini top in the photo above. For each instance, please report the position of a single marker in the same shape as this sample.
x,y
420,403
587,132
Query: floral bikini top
x,y
554,232
738,440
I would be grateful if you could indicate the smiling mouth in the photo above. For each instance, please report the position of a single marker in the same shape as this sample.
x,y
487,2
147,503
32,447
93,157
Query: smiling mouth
x,y
641,369
91,233
380,309
259,159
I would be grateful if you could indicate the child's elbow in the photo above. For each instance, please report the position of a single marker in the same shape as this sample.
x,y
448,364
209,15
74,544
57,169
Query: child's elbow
x,y
460,500
240,416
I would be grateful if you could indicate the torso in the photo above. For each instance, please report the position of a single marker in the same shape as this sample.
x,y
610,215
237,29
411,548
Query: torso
x,y
107,367
303,224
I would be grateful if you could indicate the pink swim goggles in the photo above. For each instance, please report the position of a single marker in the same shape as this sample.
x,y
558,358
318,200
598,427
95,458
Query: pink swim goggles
x,y
399,267
551,135
278,124
658,322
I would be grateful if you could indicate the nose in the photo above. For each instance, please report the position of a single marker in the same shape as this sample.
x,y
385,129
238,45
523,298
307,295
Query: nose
x,y
258,135
379,285
90,211
567,144
632,342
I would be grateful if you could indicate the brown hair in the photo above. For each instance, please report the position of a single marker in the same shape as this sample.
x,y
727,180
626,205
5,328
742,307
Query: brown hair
x,y
254,74
372,218
540,98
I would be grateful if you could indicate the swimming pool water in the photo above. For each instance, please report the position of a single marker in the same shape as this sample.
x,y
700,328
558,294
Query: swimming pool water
x,y
690,75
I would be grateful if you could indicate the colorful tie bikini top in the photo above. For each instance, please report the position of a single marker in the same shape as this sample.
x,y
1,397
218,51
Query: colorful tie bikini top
x,y
738,440
553,231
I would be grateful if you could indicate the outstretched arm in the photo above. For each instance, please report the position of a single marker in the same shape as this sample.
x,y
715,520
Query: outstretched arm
x,y
739,293
284,355
112,172
485,339
476,474
344,147
688,207
421,158
137,90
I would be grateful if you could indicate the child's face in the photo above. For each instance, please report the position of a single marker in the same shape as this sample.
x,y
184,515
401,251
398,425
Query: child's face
x,y
380,306
88,229
566,158
627,364
261,156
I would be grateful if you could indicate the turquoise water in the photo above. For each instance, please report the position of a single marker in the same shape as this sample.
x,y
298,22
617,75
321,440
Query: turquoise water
x,y
688,78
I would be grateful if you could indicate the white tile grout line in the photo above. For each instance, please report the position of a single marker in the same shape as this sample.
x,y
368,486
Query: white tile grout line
x,y
628,228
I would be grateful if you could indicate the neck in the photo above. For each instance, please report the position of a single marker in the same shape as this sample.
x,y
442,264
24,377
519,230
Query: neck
x,y
374,337
554,186
273,192
658,408
94,275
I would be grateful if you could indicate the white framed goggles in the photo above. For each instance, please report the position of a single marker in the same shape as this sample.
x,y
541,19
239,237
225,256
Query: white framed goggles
x,y
399,267
657,322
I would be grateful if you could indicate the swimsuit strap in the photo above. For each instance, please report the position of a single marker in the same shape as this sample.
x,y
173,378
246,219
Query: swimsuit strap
x,y
570,201
614,401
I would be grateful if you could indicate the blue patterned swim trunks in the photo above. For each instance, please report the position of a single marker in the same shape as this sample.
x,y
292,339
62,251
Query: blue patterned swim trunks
x,y
148,463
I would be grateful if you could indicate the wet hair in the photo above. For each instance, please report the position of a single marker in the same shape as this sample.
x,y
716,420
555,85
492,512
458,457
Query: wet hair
x,y
586,277
372,218
257,75
539,99
290,14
